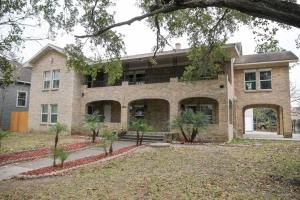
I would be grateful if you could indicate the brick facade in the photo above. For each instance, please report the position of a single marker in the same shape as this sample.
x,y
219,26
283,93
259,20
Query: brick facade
x,y
163,100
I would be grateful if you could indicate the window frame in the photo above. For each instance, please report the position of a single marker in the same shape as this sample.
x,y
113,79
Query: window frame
x,y
255,81
44,72
212,121
52,79
265,70
50,113
42,113
17,100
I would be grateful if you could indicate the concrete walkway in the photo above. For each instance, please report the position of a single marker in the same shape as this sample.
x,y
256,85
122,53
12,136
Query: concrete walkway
x,y
10,170
257,135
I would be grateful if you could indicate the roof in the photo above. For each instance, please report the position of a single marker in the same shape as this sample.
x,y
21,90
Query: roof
x,y
24,74
42,52
284,56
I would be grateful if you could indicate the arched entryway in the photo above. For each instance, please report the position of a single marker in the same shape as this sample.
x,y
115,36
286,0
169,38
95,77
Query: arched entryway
x,y
262,118
207,106
155,111
109,110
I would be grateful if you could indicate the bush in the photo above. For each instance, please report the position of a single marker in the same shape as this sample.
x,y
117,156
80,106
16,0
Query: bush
x,y
108,138
61,154
140,126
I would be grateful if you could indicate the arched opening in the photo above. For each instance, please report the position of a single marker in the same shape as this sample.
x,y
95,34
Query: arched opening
x,y
208,106
154,111
262,119
109,110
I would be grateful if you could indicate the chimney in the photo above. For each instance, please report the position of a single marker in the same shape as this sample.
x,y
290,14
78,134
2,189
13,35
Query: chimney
x,y
177,46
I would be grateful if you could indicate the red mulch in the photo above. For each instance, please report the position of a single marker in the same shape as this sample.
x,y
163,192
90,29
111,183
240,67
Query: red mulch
x,y
32,154
78,162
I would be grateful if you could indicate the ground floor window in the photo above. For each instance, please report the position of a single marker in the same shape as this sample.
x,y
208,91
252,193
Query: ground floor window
x,y
207,110
49,113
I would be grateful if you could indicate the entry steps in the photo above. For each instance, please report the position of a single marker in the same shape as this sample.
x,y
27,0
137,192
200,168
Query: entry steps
x,y
148,137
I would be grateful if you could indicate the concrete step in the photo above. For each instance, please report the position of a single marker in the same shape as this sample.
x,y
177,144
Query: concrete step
x,y
147,137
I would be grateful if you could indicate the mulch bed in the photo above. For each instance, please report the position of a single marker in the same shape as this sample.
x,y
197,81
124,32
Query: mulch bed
x,y
38,153
76,163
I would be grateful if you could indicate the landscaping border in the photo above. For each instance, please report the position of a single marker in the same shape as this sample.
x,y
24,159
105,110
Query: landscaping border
x,y
74,164
40,153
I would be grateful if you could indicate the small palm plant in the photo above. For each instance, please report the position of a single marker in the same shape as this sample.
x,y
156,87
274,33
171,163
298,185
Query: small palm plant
x,y
57,129
62,155
93,123
189,123
140,126
3,134
109,137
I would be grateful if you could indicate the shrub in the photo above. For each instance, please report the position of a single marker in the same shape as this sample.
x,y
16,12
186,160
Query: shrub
x,y
93,122
108,138
140,126
57,129
61,154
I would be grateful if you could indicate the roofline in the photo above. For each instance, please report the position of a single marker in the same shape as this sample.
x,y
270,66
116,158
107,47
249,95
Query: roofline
x,y
56,48
268,62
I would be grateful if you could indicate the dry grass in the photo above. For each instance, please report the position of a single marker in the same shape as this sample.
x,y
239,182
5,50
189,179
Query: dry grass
x,y
25,141
268,171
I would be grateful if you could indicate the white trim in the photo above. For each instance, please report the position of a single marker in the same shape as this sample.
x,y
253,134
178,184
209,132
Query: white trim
x,y
41,120
26,82
52,79
268,62
50,113
47,80
18,91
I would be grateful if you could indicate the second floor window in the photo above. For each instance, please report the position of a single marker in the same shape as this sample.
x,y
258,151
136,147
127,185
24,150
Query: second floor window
x,y
250,80
46,79
265,80
55,79
21,99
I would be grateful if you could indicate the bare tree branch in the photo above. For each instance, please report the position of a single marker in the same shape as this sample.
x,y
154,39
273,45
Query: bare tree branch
x,y
275,10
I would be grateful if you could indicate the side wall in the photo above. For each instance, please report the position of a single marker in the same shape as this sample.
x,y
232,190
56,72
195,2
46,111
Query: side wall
x,y
63,97
279,96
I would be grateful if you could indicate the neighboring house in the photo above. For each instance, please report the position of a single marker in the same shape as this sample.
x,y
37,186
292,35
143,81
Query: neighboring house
x,y
156,94
296,119
17,96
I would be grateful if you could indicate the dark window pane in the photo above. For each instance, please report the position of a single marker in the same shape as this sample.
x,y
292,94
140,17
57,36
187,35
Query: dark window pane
x,y
21,102
56,84
44,117
53,118
265,75
265,85
250,86
46,84
250,76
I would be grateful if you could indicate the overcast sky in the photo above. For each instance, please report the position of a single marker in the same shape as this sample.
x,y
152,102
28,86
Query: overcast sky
x,y
140,39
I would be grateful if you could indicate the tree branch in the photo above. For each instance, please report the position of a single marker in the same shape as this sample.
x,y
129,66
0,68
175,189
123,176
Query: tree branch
x,y
275,10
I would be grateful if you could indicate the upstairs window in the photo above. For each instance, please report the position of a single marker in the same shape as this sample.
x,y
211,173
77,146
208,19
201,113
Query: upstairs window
x,y
265,80
54,113
21,99
55,79
44,113
46,79
250,80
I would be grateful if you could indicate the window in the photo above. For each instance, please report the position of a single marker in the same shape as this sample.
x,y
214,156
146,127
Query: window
x,y
53,116
46,79
44,113
191,107
136,78
21,99
55,79
139,111
207,110
265,80
250,80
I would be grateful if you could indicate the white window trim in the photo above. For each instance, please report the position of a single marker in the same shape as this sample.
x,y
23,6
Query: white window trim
x,y
50,113
250,71
52,79
265,70
41,121
18,99
44,80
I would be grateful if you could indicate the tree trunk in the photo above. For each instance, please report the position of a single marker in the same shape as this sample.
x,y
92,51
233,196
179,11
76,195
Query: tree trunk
x,y
55,147
94,137
105,150
137,138
141,139
111,148
194,134
183,134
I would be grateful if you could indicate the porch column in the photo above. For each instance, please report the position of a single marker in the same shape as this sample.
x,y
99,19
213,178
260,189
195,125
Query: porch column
x,y
173,112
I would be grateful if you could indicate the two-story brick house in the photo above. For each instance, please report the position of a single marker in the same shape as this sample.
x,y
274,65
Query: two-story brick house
x,y
157,94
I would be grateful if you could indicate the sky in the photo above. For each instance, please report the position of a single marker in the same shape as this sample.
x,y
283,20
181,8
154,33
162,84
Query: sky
x,y
140,39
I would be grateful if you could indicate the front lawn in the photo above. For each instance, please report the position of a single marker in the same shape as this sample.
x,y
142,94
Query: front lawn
x,y
27,141
267,171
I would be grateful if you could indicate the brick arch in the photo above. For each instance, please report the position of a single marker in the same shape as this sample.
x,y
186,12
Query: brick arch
x,y
276,107
99,105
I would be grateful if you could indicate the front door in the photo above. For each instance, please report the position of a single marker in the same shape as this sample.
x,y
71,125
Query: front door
x,y
107,113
